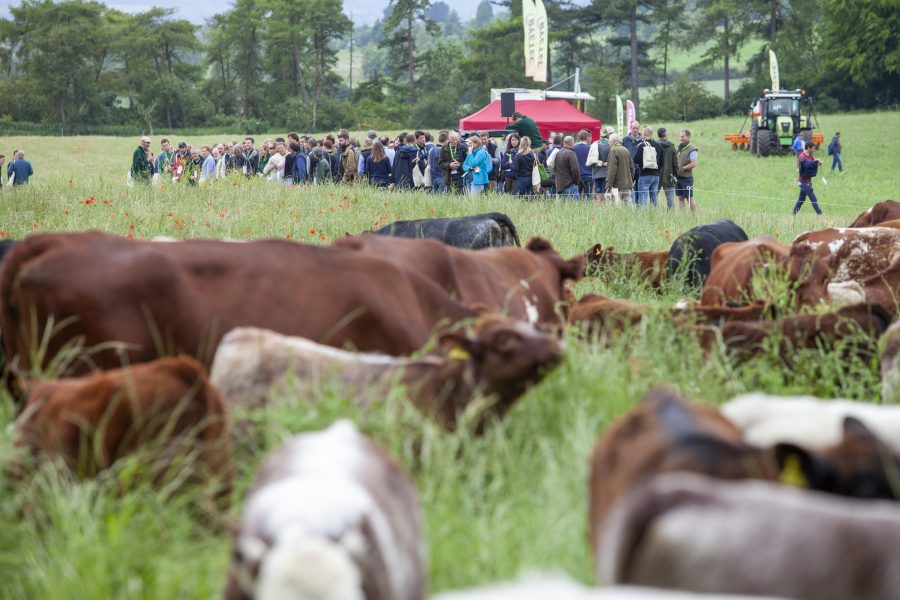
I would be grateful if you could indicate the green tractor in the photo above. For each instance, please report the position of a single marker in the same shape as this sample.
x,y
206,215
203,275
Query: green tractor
x,y
777,117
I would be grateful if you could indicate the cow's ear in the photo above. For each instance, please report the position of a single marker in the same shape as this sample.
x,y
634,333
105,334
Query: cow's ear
x,y
459,347
572,269
594,251
855,428
798,467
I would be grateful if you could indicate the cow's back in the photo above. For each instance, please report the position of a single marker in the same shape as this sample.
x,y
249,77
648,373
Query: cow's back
x,y
694,248
732,266
182,297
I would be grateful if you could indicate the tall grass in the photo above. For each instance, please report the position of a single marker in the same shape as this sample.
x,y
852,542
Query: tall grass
x,y
511,500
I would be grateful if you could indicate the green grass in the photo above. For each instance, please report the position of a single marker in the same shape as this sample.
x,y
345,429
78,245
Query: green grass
x,y
512,500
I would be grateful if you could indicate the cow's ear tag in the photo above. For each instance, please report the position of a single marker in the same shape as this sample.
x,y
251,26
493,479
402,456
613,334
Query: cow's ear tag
x,y
792,473
459,353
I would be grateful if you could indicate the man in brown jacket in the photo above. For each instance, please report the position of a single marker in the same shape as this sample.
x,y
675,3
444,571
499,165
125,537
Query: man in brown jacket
x,y
349,159
620,170
566,171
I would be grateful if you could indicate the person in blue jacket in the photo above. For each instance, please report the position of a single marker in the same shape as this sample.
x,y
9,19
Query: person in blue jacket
x,y
405,157
477,166
808,167
378,167
299,171
19,167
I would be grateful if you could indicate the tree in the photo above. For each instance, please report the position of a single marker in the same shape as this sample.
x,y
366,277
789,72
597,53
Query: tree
x,y
244,29
399,36
731,25
861,50
669,16
484,14
629,13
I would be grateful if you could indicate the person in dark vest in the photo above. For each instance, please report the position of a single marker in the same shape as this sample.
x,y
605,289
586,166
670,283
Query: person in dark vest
x,y
140,168
808,167
453,155
687,160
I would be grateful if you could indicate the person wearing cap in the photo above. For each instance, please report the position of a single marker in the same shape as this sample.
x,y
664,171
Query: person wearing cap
x,y
597,159
180,161
668,166
140,168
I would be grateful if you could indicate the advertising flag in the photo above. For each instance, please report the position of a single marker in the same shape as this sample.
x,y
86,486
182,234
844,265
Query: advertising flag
x,y
534,20
620,115
773,72
630,115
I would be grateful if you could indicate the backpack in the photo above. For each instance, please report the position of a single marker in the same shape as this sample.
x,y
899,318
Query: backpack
x,y
650,157
831,149
323,169
809,169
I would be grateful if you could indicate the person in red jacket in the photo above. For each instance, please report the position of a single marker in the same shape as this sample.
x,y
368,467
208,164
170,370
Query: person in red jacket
x,y
808,167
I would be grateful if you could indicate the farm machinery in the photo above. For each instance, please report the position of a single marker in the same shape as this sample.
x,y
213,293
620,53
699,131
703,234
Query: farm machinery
x,y
775,118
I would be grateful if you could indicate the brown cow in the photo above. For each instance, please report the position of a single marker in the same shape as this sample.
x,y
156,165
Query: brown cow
x,y
854,254
498,356
330,516
527,283
166,408
156,298
664,434
887,210
651,266
599,315
733,266
745,339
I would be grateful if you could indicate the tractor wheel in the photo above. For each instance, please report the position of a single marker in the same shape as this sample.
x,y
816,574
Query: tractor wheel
x,y
764,141
753,132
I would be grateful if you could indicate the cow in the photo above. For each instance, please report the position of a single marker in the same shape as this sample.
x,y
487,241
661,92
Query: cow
x,y
527,284
887,210
147,299
329,516
836,446
882,289
807,421
557,587
472,232
890,365
691,252
689,532
497,356
651,267
598,315
853,254
688,312
666,433
733,265
165,409
855,325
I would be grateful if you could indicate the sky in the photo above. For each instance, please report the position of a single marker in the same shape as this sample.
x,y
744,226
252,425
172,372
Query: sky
x,y
197,11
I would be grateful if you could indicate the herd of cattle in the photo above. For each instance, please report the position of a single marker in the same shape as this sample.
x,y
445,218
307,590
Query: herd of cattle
x,y
165,353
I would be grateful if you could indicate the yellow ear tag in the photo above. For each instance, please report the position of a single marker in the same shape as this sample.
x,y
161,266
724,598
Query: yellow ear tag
x,y
457,353
792,474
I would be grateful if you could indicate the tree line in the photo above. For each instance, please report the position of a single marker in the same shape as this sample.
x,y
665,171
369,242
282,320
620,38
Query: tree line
x,y
272,64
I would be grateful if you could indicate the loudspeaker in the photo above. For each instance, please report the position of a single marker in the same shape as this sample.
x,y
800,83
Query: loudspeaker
x,y
507,104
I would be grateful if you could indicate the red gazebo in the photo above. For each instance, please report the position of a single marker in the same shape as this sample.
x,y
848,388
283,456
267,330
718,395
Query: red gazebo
x,y
556,116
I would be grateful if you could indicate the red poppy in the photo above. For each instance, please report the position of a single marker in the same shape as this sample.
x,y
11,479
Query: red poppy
x,y
322,237
34,225
66,211
344,198
287,236
312,232
105,201
126,213
131,227
130,235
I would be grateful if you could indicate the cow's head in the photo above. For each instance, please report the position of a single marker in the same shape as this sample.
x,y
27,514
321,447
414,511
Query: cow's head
x,y
507,356
859,466
810,273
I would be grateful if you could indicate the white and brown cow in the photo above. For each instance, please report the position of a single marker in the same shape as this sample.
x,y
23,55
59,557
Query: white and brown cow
x,y
689,532
331,517
853,254
497,356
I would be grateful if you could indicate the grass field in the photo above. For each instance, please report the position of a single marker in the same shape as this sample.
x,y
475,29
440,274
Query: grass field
x,y
512,500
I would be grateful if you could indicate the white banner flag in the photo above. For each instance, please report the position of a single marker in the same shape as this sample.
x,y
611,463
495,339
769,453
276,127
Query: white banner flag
x,y
534,20
773,72
620,116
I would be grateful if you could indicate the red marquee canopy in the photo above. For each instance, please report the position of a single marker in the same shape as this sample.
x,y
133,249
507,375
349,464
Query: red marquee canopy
x,y
556,116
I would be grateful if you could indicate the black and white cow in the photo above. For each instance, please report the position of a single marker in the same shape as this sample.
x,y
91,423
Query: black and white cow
x,y
472,231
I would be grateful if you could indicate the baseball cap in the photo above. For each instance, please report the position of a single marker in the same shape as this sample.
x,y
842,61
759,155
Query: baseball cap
x,y
547,142
182,144
609,131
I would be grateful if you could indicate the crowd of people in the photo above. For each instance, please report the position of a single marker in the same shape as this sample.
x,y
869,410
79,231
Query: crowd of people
x,y
631,168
